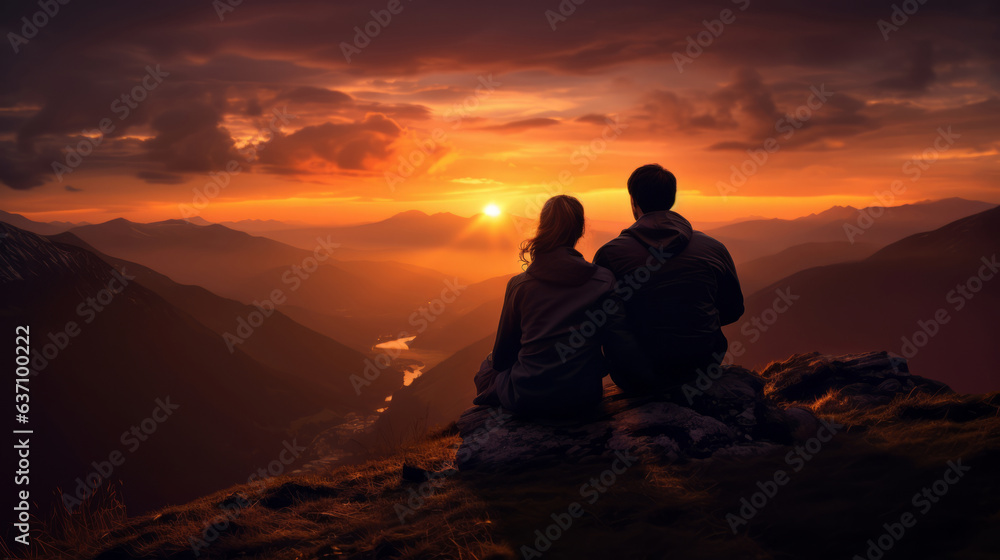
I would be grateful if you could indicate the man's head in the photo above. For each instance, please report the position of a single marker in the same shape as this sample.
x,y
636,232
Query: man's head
x,y
652,188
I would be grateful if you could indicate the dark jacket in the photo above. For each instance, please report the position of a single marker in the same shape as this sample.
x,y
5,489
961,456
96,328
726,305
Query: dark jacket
x,y
556,316
680,287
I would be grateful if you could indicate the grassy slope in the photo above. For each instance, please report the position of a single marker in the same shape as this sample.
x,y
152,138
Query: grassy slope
x,y
839,500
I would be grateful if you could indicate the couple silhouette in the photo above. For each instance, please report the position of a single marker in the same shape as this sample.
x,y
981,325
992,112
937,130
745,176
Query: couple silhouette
x,y
648,311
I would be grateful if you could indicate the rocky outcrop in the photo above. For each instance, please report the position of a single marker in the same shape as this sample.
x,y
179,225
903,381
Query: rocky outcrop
x,y
729,411
870,378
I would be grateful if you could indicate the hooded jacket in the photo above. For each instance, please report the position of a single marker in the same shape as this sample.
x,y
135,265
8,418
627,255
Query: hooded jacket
x,y
681,289
556,316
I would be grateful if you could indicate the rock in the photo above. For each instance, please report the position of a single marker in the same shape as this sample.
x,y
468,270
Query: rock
x,y
734,413
729,414
804,423
875,376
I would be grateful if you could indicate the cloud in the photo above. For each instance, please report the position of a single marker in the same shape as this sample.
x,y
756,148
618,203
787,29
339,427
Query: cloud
x,y
743,113
752,99
522,125
22,170
918,74
593,118
476,181
606,58
356,146
315,95
160,178
667,111
189,139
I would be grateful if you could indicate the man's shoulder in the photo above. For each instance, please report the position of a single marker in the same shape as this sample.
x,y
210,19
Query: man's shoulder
x,y
704,237
707,248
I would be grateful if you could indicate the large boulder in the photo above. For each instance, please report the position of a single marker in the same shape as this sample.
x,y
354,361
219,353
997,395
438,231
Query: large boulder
x,y
730,411
869,378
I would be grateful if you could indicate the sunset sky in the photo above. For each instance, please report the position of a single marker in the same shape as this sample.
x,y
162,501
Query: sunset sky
x,y
492,102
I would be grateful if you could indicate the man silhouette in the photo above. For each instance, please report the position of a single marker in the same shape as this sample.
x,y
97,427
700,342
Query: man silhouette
x,y
679,286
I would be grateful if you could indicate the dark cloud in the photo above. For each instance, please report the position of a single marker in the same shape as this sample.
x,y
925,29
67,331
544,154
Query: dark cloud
x,y
754,110
747,95
667,111
593,118
918,73
524,124
314,95
160,178
189,139
265,53
23,170
348,146
397,110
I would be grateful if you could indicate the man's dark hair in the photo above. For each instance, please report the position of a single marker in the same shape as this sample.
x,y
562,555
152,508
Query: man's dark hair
x,y
653,188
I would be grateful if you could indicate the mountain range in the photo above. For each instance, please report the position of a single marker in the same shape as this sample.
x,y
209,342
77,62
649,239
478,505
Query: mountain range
x,y
112,339
918,282
354,301
930,297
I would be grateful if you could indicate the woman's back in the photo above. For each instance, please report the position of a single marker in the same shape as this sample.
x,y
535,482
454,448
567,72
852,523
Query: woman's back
x,y
550,334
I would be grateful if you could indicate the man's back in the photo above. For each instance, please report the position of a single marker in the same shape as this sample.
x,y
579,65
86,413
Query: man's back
x,y
680,288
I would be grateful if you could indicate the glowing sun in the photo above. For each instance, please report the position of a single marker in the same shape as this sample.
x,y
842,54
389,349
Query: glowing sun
x,y
492,210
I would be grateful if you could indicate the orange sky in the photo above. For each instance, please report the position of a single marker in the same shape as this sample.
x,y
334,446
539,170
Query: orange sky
x,y
493,105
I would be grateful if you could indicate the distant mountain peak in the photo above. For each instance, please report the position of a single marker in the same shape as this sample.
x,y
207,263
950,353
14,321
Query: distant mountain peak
x,y
834,212
422,214
180,222
950,199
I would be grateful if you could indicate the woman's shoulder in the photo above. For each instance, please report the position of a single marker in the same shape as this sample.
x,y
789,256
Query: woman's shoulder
x,y
604,276
517,280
